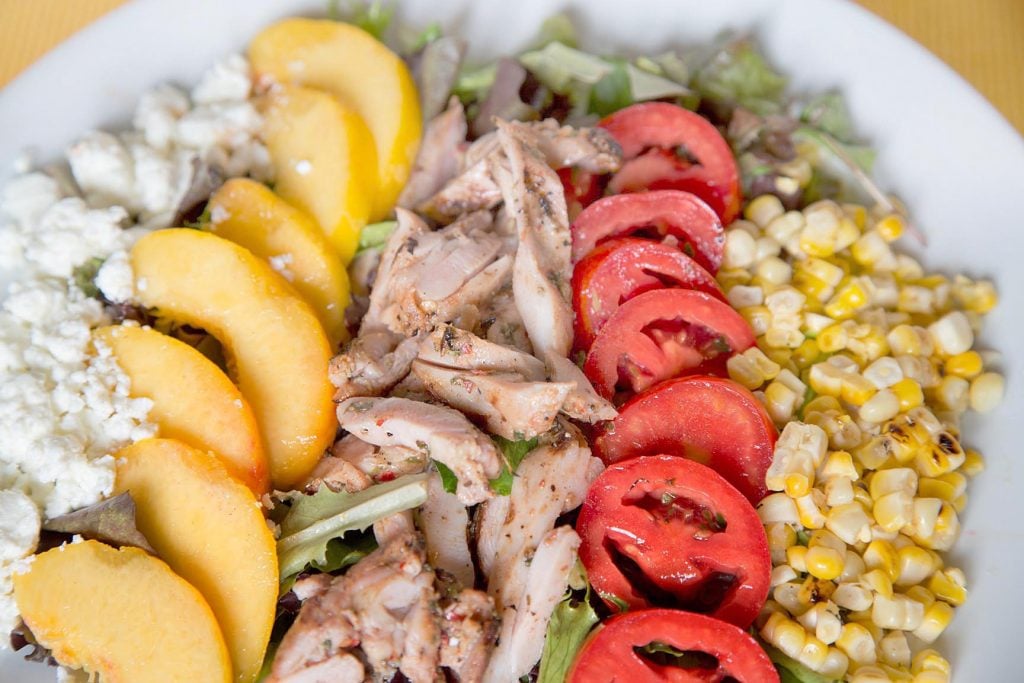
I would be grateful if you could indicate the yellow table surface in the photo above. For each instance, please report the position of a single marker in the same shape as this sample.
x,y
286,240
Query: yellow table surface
x,y
982,39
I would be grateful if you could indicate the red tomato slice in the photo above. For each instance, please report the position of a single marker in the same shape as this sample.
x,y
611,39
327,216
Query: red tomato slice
x,y
663,213
711,420
682,151
661,334
620,269
664,531
717,651
581,189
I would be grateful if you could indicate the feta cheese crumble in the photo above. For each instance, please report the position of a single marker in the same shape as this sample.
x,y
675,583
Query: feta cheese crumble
x,y
65,405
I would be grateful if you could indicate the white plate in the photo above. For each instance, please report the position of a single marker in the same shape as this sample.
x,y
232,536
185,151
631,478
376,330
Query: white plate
x,y
943,148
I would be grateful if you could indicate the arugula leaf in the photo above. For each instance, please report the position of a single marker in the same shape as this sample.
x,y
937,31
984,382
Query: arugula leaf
x,y
84,277
570,624
738,74
449,481
314,520
375,235
111,521
512,453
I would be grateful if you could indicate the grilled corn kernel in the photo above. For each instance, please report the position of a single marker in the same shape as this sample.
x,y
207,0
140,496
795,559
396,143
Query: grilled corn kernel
x,y
948,585
856,642
935,620
974,463
890,227
986,392
909,393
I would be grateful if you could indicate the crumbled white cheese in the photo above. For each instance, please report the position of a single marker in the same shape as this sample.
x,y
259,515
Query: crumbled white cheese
x,y
228,80
104,169
115,278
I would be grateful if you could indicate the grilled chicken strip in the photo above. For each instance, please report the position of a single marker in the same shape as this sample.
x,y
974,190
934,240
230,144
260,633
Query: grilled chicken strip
x,y
452,347
468,628
385,604
582,403
509,405
379,464
371,364
439,156
445,526
440,433
524,619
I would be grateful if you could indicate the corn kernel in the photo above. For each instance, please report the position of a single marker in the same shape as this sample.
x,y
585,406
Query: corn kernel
x,y
974,463
890,227
953,393
910,340
977,297
935,620
849,522
856,390
915,565
952,333
796,557
740,249
893,511
823,562
948,585
846,301
883,406
783,573
909,394
967,364
920,594
878,581
763,209
897,612
986,392
856,642
758,317
852,596
894,649
774,271
813,653
929,660
881,555
781,536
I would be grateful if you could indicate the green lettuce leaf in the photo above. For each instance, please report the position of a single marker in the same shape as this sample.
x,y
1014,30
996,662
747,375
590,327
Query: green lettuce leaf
x,y
375,235
449,482
557,28
341,553
558,66
738,74
570,624
373,17
512,453
828,113
314,520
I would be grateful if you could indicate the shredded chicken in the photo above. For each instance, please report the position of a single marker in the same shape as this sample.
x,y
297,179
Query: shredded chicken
x,y
385,604
445,526
440,433
439,156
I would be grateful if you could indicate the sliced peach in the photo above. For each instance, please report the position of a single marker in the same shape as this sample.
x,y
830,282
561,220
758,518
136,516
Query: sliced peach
x,y
211,531
122,614
350,63
323,159
276,347
250,214
193,401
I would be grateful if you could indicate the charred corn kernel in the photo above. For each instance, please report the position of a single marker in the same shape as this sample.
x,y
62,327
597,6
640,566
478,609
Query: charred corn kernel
x,y
897,612
967,364
813,591
890,227
893,511
835,665
763,209
782,574
740,249
813,653
856,390
758,317
948,585
974,463
910,340
888,481
894,650
934,621
908,392
823,562
849,298
952,334
881,555
856,643
849,522
852,596
986,392
796,557
915,565
777,507
920,594
929,660
878,581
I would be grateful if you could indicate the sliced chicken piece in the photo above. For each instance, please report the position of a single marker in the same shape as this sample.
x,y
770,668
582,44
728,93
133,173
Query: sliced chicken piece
x,y
371,364
412,388
379,464
439,156
472,190
540,280
440,433
385,604
452,347
468,629
337,474
340,668
387,529
501,323
582,403
525,616
551,480
589,149
445,525
394,258
510,405
312,585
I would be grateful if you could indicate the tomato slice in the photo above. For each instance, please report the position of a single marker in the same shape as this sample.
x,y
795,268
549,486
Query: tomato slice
x,y
675,148
664,531
662,334
663,213
714,651
581,189
712,420
619,270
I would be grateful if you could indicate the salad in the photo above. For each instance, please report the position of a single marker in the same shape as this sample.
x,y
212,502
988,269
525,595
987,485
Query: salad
x,y
362,362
